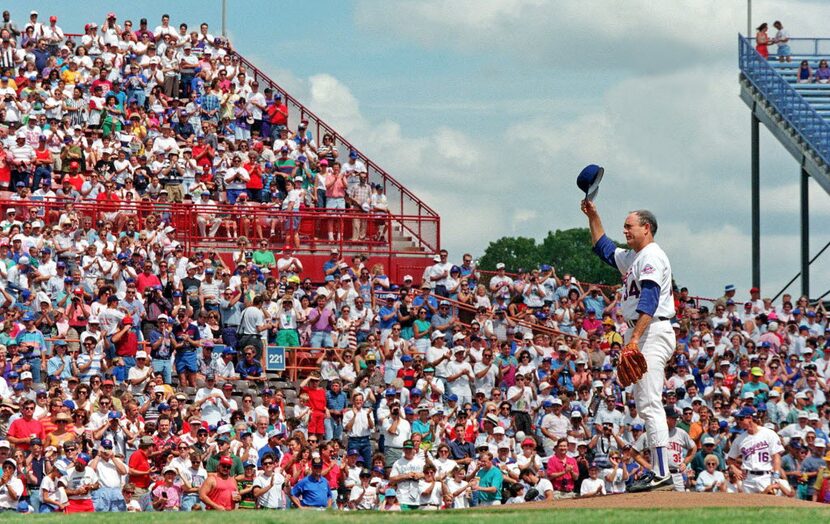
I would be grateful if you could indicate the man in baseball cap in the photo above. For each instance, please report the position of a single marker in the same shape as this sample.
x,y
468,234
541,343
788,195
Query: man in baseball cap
x,y
313,491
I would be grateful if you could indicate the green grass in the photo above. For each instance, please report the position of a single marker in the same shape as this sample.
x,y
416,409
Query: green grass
x,y
535,516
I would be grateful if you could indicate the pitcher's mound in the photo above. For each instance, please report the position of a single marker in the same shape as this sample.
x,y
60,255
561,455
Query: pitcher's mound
x,y
671,499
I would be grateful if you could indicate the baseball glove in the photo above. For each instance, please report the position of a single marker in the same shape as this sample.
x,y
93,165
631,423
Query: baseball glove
x,y
632,365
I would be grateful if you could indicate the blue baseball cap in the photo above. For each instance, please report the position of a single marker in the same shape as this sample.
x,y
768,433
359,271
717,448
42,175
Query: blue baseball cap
x,y
408,410
406,358
353,154
452,397
416,391
114,415
746,411
229,351
163,406
106,443
69,404
391,392
589,179
637,427
177,293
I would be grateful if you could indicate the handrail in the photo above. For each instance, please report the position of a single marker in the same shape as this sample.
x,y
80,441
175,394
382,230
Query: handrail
x,y
402,200
255,221
796,111
308,113
521,322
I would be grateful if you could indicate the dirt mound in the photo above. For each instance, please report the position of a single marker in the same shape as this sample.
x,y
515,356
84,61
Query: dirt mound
x,y
670,499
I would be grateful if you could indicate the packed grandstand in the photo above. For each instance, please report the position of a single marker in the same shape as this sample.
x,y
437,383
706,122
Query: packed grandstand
x,y
137,372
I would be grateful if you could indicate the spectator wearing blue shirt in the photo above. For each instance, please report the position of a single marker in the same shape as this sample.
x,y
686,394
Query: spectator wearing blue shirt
x,y
312,491
272,448
161,338
387,317
60,365
425,299
563,369
336,404
32,344
331,267
248,367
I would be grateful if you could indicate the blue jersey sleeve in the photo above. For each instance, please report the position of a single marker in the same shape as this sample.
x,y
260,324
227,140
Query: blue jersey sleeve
x,y
649,297
605,249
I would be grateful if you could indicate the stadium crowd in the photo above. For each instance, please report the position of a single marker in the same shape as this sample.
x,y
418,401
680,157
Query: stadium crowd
x,y
132,372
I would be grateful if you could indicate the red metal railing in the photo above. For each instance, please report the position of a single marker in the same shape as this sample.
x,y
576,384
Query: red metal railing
x,y
254,221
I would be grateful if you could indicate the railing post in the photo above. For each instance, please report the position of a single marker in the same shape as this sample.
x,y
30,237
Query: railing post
x,y
755,182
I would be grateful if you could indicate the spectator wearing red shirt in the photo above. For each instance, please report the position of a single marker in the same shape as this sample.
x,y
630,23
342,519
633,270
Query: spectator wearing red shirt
x,y
254,185
331,471
317,402
126,341
164,440
562,470
203,153
23,430
277,113
139,466
146,278
591,324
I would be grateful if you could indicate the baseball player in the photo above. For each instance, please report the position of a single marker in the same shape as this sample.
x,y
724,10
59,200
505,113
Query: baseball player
x,y
760,450
682,449
647,307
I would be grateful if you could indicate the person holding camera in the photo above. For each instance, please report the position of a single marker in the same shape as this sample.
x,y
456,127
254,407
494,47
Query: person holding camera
x,y
396,430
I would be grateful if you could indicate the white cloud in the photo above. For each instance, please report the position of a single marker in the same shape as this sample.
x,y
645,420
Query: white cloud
x,y
640,35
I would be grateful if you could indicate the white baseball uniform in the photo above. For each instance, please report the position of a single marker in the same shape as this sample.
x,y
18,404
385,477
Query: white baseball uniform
x,y
680,443
757,451
658,342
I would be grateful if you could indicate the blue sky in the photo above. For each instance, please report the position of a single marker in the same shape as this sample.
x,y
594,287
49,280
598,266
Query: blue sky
x,y
487,109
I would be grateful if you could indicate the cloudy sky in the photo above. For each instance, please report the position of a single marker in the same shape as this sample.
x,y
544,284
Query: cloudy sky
x,y
488,109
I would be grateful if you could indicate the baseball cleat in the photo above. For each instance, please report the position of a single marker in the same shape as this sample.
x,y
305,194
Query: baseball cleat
x,y
651,482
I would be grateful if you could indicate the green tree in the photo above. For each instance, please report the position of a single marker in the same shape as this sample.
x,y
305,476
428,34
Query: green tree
x,y
514,252
569,251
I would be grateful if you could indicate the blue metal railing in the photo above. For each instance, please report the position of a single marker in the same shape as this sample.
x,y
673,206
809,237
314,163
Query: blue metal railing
x,y
801,116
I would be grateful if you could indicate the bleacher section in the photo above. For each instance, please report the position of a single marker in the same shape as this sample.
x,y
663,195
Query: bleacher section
x,y
797,114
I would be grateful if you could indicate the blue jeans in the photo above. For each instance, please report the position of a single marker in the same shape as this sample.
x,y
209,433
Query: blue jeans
x,y
363,445
189,500
334,429
233,194
42,173
34,362
321,339
34,500
165,367
108,500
